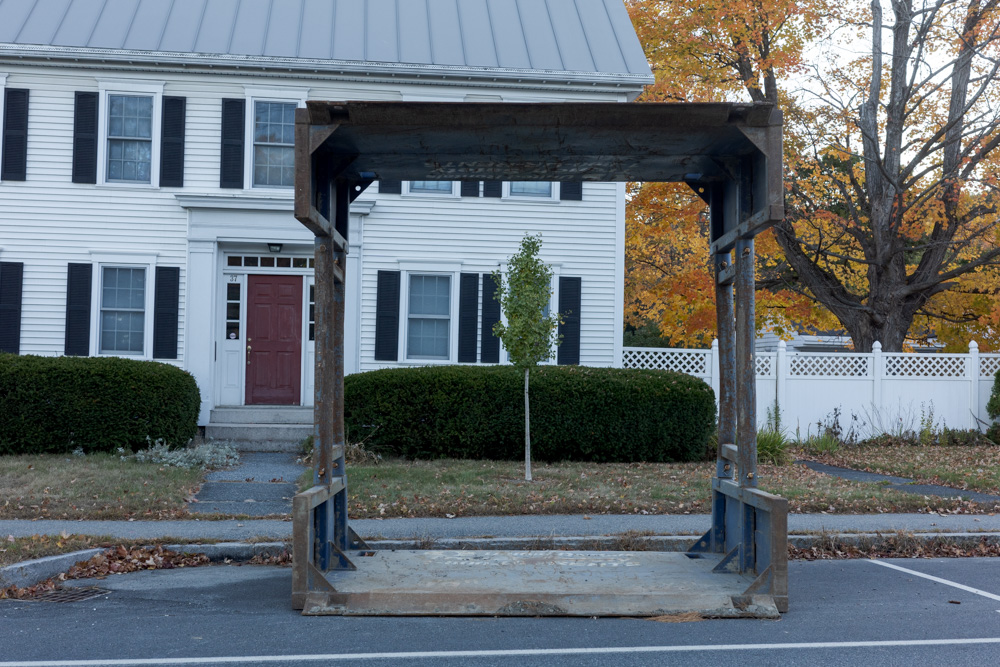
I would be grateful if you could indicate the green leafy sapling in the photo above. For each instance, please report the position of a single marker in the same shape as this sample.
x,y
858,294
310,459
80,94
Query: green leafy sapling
x,y
529,330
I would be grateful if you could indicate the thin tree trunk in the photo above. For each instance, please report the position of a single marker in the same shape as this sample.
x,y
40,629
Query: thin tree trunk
x,y
527,431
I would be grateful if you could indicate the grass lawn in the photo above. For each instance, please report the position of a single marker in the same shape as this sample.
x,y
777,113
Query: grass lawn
x,y
96,486
976,468
398,488
101,486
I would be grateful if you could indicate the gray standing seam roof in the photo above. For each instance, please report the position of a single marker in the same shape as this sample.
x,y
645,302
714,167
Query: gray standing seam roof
x,y
573,36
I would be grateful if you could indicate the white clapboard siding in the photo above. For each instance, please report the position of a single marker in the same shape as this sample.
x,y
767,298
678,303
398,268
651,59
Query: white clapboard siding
x,y
47,221
579,238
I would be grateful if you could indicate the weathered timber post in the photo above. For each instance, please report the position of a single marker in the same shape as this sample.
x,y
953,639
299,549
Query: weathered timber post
x,y
746,378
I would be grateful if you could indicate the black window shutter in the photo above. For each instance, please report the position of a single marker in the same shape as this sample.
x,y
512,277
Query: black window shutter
x,y
387,317
78,289
569,308
390,187
490,353
11,275
231,164
470,189
172,142
492,188
166,301
14,164
571,191
468,317
85,138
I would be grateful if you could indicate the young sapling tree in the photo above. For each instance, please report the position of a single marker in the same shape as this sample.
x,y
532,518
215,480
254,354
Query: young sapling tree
x,y
529,332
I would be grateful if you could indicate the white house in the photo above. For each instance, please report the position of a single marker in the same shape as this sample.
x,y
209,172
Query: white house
x,y
145,189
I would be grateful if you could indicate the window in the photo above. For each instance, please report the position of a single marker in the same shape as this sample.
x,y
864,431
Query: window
x,y
432,187
540,189
130,138
274,144
428,322
233,315
123,310
126,124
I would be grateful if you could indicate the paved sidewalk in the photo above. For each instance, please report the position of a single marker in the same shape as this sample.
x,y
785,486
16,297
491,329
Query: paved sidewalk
x,y
504,526
263,484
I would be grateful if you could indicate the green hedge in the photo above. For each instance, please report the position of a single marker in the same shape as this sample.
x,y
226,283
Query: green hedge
x,y
577,413
56,404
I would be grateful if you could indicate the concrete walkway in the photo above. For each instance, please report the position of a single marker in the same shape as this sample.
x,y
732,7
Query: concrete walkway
x,y
263,484
502,526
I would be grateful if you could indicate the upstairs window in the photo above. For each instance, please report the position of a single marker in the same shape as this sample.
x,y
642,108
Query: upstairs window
x,y
540,189
130,138
432,187
274,144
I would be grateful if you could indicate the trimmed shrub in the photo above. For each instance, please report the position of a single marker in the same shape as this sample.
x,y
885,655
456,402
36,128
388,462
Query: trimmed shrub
x,y
98,404
577,413
993,405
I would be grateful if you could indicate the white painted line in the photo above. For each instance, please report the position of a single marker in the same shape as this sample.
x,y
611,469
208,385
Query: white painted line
x,y
939,580
437,655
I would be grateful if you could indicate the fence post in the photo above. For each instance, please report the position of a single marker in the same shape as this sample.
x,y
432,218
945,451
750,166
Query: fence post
x,y
878,370
972,372
780,373
713,369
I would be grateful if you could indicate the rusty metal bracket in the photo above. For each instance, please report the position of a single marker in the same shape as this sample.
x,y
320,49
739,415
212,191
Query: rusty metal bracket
x,y
729,562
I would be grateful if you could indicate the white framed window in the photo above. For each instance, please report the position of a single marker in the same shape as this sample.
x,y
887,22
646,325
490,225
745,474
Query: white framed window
x,y
536,190
432,188
130,138
429,317
122,327
122,320
128,148
270,136
273,144
3,98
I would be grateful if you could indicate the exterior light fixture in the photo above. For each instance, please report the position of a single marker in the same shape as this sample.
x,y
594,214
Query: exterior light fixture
x,y
274,247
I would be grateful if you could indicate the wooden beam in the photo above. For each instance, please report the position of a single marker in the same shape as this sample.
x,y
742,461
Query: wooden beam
x,y
318,134
749,228
746,371
320,226
726,274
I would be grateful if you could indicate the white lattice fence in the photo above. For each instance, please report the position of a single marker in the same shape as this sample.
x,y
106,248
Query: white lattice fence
x,y
692,362
809,387
925,365
828,365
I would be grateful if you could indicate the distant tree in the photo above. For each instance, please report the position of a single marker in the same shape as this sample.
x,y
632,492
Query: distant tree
x,y
892,156
530,330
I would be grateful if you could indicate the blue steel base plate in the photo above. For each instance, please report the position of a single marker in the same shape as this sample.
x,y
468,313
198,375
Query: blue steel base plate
x,y
536,583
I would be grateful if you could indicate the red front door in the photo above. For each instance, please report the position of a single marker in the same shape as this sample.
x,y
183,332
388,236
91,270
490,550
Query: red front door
x,y
274,340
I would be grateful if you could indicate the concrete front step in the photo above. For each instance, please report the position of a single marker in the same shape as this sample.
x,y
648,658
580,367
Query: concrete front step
x,y
268,414
260,437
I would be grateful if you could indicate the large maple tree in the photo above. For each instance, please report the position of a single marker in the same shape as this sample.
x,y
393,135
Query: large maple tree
x,y
891,158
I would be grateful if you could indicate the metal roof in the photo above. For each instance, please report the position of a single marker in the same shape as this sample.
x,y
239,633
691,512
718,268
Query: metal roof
x,y
593,37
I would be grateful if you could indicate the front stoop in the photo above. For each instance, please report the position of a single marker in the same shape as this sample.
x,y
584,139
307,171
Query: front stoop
x,y
261,429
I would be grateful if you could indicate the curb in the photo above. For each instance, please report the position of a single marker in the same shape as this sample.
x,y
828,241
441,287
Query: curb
x,y
31,572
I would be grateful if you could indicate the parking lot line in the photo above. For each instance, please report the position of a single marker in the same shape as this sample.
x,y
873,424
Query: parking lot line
x,y
939,580
438,655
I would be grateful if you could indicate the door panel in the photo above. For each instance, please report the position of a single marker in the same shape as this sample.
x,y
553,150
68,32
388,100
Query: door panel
x,y
274,340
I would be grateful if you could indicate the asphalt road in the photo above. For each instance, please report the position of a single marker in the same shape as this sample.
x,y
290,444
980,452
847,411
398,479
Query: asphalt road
x,y
842,613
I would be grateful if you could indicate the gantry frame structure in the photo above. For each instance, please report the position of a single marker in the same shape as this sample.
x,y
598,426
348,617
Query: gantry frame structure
x,y
730,154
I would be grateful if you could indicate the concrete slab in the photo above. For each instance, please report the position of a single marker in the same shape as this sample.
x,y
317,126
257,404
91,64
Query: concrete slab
x,y
242,491
261,467
535,583
237,508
